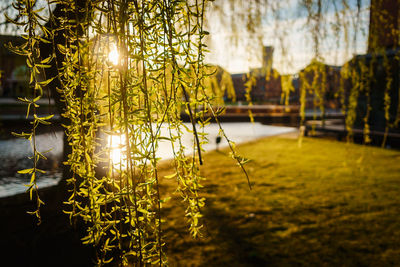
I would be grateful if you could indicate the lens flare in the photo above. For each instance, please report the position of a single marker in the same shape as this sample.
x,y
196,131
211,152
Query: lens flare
x,y
117,144
113,56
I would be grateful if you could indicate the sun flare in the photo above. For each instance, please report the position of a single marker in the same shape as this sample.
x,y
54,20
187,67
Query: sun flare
x,y
113,56
116,144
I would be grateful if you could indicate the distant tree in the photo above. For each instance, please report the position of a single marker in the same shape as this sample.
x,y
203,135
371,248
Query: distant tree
x,y
369,84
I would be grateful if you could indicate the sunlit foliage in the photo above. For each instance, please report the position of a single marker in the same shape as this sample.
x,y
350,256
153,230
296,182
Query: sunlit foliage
x,y
125,72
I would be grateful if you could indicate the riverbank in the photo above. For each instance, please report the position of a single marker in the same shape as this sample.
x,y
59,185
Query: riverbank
x,y
14,152
326,203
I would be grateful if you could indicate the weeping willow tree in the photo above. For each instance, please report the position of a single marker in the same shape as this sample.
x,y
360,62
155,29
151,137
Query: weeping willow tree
x,y
123,73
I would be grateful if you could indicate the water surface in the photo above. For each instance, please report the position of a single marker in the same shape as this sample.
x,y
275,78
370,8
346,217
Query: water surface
x,y
14,153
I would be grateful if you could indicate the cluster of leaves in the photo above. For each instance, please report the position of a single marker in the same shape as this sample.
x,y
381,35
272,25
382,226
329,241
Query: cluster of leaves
x,y
314,82
119,109
219,84
287,89
34,34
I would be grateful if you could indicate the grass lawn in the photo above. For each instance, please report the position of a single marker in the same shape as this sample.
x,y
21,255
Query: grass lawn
x,y
326,204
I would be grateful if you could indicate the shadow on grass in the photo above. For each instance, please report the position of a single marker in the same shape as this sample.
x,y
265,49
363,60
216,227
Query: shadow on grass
x,y
232,241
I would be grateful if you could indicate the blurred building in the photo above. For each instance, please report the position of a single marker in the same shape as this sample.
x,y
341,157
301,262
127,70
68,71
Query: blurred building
x,y
263,84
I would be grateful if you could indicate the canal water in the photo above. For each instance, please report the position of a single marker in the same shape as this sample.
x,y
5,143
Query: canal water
x,y
14,153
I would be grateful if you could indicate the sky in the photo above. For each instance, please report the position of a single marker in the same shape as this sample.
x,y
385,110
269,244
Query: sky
x,y
293,46
295,39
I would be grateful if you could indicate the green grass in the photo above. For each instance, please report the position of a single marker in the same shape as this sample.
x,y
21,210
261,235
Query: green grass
x,y
324,204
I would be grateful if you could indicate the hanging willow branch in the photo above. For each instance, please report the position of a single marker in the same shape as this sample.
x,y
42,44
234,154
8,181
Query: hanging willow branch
x,y
124,71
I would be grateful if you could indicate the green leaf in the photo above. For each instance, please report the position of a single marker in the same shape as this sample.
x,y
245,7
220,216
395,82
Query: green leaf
x,y
33,178
26,171
14,21
87,157
46,82
171,176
